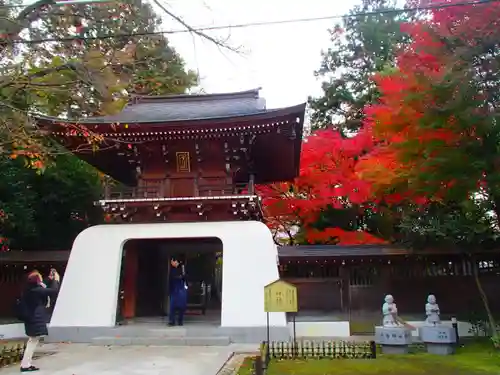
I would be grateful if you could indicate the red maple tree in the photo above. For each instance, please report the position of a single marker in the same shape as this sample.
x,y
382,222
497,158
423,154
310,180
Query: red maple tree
x,y
436,125
436,104
410,147
328,179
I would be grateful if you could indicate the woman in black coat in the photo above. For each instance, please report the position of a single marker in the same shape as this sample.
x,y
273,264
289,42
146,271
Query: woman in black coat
x,y
35,301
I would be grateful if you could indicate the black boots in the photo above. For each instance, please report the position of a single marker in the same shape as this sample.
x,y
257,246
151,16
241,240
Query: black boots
x,y
29,369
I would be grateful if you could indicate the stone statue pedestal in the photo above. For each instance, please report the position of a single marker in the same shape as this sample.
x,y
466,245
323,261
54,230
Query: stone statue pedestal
x,y
439,339
394,340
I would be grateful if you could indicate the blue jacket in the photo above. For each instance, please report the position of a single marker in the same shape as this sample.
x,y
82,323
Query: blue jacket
x,y
177,289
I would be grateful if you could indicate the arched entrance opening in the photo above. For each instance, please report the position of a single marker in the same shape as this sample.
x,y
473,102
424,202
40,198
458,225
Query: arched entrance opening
x,y
87,304
144,280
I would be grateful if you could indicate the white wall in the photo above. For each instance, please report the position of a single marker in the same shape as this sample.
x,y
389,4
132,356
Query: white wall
x,y
464,328
342,328
12,331
88,295
321,329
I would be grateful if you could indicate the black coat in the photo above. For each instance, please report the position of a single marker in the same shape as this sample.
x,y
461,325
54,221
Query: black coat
x,y
53,298
36,298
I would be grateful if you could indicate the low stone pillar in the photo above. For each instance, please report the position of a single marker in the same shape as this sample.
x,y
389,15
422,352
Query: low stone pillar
x,y
439,339
394,340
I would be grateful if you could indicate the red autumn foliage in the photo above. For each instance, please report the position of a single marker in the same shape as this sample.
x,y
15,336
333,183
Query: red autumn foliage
x,y
415,135
343,237
327,178
387,159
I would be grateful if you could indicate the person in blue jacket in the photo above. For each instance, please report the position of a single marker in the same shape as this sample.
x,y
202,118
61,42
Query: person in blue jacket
x,y
177,292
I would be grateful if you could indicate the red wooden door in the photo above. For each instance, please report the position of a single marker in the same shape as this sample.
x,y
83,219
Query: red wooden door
x,y
182,187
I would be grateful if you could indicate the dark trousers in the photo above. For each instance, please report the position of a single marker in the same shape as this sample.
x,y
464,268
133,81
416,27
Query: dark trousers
x,y
176,311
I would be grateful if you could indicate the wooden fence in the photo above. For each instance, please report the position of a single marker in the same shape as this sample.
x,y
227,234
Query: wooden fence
x,y
311,350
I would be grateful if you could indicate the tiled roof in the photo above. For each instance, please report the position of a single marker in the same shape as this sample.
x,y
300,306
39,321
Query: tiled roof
x,y
178,108
319,251
34,256
188,107
328,251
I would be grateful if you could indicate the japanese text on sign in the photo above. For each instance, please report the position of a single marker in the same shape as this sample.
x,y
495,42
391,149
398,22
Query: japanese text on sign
x,y
183,162
280,296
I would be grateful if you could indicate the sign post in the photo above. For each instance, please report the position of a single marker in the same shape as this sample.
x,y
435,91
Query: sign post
x,y
280,296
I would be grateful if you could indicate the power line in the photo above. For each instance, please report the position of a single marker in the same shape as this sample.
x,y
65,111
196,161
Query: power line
x,y
58,3
261,23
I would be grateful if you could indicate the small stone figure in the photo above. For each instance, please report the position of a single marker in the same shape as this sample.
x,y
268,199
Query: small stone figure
x,y
390,311
432,311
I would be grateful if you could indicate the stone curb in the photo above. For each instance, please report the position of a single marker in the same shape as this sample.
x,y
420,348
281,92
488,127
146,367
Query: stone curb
x,y
234,363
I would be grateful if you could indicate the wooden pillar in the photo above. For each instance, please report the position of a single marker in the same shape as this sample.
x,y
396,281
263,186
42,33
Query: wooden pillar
x,y
385,278
251,184
106,189
130,281
345,291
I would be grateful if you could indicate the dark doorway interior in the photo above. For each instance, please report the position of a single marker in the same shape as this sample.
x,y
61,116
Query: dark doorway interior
x,y
202,260
150,286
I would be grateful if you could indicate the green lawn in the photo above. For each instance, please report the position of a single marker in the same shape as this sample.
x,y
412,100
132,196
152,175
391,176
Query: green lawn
x,y
9,352
360,327
246,367
473,359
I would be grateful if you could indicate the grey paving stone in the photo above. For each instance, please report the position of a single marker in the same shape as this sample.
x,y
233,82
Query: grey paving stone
x,y
80,359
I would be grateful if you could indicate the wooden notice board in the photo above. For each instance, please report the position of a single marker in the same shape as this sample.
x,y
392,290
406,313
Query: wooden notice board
x,y
280,296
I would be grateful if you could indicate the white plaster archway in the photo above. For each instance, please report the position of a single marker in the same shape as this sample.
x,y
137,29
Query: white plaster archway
x,y
88,295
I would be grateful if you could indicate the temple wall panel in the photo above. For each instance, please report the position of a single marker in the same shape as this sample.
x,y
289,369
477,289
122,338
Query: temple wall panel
x,y
154,172
366,297
318,294
456,295
182,187
213,158
13,280
363,288
409,279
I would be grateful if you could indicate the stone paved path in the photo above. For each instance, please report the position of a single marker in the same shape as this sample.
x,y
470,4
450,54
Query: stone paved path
x,y
76,359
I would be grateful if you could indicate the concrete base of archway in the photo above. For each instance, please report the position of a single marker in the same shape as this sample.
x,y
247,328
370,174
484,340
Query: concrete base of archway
x,y
87,304
166,336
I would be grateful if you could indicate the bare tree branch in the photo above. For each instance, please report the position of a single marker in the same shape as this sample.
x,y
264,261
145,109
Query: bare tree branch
x,y
193,30
12,28
9,80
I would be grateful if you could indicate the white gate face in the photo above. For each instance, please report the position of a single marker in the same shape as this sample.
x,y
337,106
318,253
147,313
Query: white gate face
x,y
89,291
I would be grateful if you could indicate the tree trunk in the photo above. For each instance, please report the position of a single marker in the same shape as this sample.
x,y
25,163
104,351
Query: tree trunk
x,y
484,298
496,208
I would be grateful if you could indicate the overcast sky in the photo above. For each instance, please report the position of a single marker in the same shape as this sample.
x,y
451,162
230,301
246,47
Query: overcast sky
x,y
279,58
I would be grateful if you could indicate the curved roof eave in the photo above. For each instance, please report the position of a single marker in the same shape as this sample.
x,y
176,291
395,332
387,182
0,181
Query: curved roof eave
x,y
277,112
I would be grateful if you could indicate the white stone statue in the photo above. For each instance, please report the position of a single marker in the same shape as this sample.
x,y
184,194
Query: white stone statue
x,y
390,311
432,311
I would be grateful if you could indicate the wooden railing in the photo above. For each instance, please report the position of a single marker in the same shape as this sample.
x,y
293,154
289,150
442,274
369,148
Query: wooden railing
x,y
147,189
158,190
125,192
215,190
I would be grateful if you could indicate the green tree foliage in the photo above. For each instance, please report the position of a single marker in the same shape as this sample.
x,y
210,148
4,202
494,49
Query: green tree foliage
x,y
64,72
46,211
360,46
464,226
143,64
